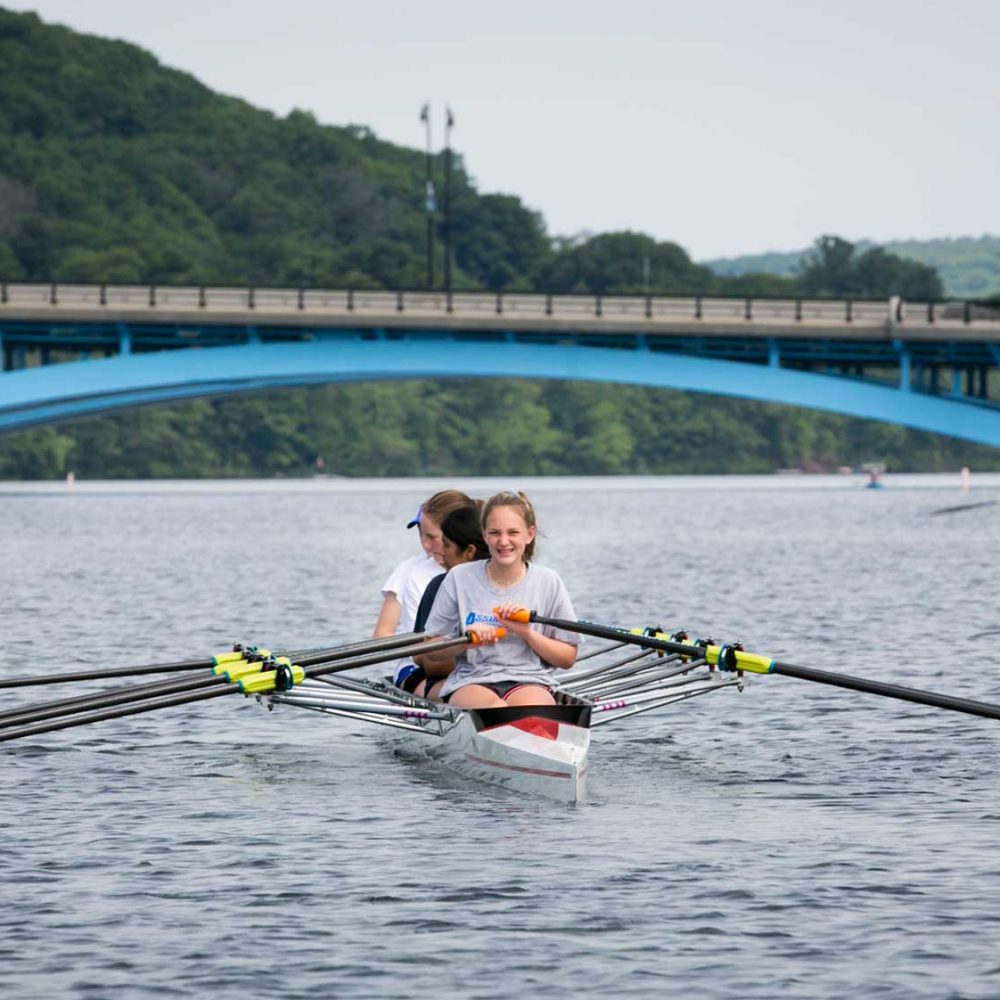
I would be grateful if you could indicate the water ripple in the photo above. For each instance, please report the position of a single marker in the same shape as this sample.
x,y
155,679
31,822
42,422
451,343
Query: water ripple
x,y
794,841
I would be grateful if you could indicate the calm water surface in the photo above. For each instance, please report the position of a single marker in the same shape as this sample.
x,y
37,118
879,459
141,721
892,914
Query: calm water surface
x,y
791,841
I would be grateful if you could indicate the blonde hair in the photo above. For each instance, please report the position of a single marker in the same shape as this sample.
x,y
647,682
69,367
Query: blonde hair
x,y
520,502
444,502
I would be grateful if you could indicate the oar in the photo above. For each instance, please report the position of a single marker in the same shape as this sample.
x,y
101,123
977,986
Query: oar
x,y
104,699
599,652
963,506
731,658
108,672
163,668
155,689
252,684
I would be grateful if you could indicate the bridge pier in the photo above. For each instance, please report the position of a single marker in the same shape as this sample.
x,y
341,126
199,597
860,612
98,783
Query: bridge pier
x,y
773,353
905,373
124,339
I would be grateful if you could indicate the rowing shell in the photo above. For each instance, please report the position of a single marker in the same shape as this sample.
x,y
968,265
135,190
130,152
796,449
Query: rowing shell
x,y
531,749
537,749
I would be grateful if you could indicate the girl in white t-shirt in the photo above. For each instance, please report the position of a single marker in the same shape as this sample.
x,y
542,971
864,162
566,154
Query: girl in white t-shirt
x,y
402,591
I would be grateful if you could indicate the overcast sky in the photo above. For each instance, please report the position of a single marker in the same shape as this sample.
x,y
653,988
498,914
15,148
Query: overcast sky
x,y
730,127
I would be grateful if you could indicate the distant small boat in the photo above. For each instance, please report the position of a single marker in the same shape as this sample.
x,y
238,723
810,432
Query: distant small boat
x,y
875,471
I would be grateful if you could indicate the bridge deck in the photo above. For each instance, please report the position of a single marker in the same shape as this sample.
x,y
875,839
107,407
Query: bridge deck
x,y
929,365
884,340
573,314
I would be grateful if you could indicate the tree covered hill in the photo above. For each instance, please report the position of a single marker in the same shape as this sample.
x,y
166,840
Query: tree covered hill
x,y
969,266
116,169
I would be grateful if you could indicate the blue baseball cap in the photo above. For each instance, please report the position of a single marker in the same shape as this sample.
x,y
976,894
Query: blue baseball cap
x,y
416,519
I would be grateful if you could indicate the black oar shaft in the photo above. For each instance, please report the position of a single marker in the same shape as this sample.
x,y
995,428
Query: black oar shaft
x,y
918,697
50,726
106,673
106,699
619,635
415,649
915,695
103,673
388,642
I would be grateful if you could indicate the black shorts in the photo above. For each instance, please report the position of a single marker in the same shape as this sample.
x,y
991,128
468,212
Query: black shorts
x,y
503,688
413,678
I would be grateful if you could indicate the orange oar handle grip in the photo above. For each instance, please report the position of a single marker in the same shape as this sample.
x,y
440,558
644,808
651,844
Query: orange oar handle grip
x,y
521,615
473,636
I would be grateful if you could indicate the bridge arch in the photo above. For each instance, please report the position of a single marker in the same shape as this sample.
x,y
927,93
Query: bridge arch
x,y
70,390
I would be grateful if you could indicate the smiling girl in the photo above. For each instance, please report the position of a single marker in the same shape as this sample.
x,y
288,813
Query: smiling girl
x,y
483,595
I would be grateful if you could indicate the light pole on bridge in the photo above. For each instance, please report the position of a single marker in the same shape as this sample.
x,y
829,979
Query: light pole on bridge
x,y
449,122
425,117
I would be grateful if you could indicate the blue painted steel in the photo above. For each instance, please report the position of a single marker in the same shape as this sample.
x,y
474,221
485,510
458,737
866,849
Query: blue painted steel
x,y
75,389
773,352
905,377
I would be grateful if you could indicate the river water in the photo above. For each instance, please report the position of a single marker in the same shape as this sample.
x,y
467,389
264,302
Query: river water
x,y
791,840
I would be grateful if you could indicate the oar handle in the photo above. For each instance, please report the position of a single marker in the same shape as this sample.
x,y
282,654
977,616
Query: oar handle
x,y
475,638
521,615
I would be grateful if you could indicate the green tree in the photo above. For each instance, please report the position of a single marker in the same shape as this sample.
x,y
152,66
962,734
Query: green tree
x,y
620,263
835,268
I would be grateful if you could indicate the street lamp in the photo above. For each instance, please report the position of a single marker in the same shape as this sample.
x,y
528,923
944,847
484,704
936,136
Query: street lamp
x,y
449,121
425,117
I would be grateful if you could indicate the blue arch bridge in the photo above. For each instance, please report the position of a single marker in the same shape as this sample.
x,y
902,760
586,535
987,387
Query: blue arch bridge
x,y
70,351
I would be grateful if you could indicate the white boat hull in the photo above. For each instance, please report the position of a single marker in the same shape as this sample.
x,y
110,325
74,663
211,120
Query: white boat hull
x,y
531,754
537,750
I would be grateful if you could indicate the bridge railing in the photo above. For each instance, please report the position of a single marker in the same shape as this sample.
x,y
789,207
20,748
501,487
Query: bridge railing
x,y
634,312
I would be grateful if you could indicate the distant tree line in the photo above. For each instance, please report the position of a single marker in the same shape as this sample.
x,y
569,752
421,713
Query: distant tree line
x,y
485,427
969,266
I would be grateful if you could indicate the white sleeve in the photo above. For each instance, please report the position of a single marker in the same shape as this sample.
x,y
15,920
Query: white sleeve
x,y
397,579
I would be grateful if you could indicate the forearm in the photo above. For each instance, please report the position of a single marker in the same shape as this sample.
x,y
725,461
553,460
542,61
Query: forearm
x,y
388,617
554,652
437,664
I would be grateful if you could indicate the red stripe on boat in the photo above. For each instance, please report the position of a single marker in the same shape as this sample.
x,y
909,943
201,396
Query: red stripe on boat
x,y
514,767
546,728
